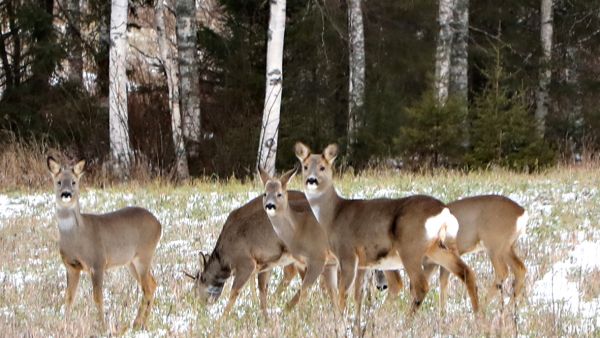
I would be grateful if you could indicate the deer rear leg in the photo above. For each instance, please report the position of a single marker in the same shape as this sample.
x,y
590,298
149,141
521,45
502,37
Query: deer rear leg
x,y
263,290
418,281
148,286
289,272
519,270
72,283
97,281
450,260
394,282
500,274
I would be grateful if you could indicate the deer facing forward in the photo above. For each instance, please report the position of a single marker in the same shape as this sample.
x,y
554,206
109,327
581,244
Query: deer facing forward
x,y
96,243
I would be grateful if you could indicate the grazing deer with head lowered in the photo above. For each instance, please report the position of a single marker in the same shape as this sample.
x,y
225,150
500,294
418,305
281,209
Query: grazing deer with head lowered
x,y
381,233
96,243
295,224
487,222
247,245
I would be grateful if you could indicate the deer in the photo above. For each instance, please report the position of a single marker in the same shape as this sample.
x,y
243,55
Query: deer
x,y
295,224
95,243
381,233
486,222
247,245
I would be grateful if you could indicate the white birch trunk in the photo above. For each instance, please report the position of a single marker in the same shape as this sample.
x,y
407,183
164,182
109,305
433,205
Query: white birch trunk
x,y
75,57
267,148
542,96
168,57
459,62
356,87
119,127
187,28
443,51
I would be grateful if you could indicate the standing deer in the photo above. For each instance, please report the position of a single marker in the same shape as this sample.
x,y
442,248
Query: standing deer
x,y
295,224
96,243
487,222
247,245
381,233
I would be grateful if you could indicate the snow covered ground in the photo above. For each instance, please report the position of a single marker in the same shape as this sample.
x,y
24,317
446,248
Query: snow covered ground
x,y
561,249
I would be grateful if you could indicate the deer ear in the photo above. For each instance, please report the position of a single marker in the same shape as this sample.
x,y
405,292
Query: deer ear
x,y
285,178
302,151
264,176
53,165
79,168
331,152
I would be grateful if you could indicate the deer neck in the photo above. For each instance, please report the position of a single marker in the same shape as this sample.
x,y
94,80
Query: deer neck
x,y
285,224
69,219
324,205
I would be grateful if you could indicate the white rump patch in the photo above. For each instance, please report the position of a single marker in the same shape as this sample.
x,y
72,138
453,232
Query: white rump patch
x,y
522,222
434,224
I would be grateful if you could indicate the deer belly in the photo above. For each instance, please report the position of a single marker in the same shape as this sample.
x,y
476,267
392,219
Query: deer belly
x,y
393,262
120,257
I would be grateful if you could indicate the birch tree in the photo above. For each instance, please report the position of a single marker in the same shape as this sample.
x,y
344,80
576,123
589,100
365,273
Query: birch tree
x,y
75,57
443,51
187,28
356,86
269,131
459,62
542,96
168,57
119,127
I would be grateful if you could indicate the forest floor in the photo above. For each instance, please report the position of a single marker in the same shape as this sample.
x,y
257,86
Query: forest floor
x,y
561,249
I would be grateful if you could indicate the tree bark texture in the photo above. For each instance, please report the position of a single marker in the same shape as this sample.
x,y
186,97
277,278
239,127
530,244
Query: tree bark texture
x,y
542,94
267,148
356,87
75,56
118,118
187,28
443,51
168,57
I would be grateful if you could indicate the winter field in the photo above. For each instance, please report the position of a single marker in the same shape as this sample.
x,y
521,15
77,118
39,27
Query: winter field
x,y
561,249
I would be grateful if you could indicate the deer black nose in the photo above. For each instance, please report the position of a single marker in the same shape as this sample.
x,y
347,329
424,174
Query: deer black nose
x,y
66,194
270,206
382,287
312,180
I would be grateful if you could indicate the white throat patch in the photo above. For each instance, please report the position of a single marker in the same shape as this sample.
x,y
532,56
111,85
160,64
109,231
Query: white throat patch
x,y
67,223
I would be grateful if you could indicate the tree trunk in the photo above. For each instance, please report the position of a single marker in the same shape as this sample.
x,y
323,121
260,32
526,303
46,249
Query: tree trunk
x,y
75,57
267,148
459,62
542,96
443,51
356,87
187,29
168,58
118,120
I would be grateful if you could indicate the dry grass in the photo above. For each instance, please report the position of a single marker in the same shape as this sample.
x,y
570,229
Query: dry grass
x,y
562,204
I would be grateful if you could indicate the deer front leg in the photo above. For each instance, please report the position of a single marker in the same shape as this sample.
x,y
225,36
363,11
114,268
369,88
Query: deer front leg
x,y
347,273
263,290
313,270
97,280
72,283
241,277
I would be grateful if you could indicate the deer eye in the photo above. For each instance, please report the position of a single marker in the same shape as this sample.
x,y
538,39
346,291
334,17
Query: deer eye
x,y
59,183
279,195
73,183
265,195
305,167
322,168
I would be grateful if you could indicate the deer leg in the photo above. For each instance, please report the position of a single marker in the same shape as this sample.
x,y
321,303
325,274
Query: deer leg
x,y
97,280
500,274
451,261
148,285
314,268
330,280
444,279
348,267
241,277
418,282
519,270
72,283
263,290
289,272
